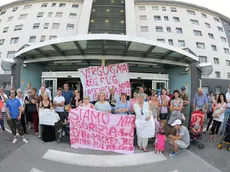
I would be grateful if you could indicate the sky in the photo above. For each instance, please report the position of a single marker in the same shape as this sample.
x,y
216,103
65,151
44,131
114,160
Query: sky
x,y
221,6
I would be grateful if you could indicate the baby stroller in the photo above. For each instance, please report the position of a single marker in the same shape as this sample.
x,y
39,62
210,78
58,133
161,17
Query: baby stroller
x,y
226,138
196,127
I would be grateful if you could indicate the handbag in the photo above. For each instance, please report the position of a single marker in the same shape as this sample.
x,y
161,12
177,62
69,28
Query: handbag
x,y
31,108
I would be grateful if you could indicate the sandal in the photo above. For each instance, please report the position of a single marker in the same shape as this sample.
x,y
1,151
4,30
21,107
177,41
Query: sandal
x,y
145,150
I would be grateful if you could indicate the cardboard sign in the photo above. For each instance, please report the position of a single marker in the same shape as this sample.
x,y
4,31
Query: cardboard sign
x,y
96,79
101,131
48,117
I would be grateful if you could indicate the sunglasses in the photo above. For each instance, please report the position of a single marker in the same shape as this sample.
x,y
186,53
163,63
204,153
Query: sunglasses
x,y
142,112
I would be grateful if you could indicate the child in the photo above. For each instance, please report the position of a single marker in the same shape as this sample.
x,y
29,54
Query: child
x,y
160,140
196,127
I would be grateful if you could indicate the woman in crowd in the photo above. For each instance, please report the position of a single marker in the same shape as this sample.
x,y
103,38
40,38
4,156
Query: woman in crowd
x,y
48,132
86,103
145,124
101,104
155,106
132,102
164,101
218,116
29,118
211,103
123,106
175,107
23,122
76,100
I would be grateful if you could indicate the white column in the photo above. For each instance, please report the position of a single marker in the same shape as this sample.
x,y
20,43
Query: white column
x,y
83,25
130,18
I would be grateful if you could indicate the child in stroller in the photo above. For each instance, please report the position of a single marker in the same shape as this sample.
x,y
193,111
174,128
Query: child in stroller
x,y
226,137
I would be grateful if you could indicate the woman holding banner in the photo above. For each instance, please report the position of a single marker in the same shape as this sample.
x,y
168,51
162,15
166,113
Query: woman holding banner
x,y
123,106
76,100
145,124
86,103
101,104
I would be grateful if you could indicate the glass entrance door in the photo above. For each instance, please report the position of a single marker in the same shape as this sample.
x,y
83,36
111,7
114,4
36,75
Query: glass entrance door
x,y
52,85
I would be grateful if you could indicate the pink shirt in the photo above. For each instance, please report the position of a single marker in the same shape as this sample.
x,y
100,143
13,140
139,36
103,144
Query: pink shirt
x,y
160,141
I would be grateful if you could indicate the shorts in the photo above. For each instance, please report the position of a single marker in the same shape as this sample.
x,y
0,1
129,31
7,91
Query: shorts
x,y
163,116
181,144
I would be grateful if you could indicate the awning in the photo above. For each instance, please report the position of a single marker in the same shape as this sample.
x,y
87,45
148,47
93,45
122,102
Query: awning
x,y
206,68
7,64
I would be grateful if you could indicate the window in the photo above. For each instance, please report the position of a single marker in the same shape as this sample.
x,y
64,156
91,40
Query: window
x,y
223,39
44,5
159,29
143,17
161,40
36,25
217,74
226,50
2,12
179,30
204,15
53,5
191,12
10,18
207,25
62,5
170,41
200,45
214,48
75,6
2,41
176,19
218,90
18,27
166,18
228,62
203,59
168,29
14,40
155,8
22,16
59,14
181,43
194,22
32,39
27,6
70,26
216,60
157,18
14,9
211,35
50,14
216,19
43,38
40,14
163,8
52,37
10,54
220,29
144,29
141,8
46,26
197,33
5,29
228,75
72,15
55,25
173,9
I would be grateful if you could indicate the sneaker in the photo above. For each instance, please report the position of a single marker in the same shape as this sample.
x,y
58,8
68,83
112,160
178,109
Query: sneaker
x,y
24,140
15,140
173,154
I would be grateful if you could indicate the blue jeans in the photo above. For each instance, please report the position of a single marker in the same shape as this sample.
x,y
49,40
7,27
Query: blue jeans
x,y
226,116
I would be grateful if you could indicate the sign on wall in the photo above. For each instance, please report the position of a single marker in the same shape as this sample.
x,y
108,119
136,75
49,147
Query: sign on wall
x,y
96,79
101,131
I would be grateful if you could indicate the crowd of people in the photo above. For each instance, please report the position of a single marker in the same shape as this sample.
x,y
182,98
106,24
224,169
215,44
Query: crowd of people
x,y
158,111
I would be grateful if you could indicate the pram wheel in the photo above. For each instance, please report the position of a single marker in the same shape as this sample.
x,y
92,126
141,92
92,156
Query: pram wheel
x,y
201,146
228,148
219,146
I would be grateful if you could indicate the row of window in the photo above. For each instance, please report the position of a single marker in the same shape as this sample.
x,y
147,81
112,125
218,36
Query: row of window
x,y
181,43
173,9
218,74
204,59
42,6
161,29
210,35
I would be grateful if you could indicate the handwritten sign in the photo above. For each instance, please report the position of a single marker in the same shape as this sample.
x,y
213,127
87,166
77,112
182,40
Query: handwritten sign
x,y
48,117
101,131
96,79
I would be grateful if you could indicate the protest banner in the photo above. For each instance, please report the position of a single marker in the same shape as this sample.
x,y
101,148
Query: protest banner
x,y
101,131
48,117
96,79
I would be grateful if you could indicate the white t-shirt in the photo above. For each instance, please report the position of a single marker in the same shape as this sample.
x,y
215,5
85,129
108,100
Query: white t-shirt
x,y
221,116
59,99
48,92
3,108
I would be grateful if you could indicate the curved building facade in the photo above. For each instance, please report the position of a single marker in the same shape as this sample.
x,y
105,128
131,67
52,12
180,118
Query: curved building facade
x,y
31,29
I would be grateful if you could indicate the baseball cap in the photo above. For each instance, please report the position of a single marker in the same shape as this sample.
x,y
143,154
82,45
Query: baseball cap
x,y
183,88
176,122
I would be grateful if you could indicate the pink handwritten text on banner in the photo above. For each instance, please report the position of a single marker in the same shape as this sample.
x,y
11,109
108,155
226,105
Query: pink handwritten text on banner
x,y
101,131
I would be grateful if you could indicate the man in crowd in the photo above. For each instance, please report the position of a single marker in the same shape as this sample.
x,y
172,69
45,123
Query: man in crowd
x,y
47,90
14,113
182,140
141,90
227,112
184,97
3,99
200,101
67,94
